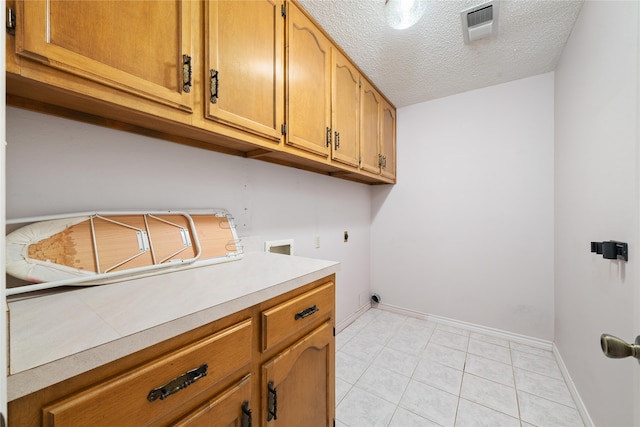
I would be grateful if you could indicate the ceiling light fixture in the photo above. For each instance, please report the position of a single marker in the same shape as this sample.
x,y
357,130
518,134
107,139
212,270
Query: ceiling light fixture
x,y
401,14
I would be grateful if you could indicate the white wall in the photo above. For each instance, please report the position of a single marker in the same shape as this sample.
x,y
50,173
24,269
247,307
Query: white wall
x,y
467,233
596,199
58,166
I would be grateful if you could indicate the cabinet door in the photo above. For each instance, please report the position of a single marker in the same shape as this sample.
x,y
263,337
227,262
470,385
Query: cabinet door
x,y
308,84
244,78
230,409
298,385
345,102
371,108
134,46
388,143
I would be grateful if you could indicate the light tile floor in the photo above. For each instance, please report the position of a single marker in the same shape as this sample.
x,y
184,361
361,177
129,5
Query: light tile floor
x,y
399,371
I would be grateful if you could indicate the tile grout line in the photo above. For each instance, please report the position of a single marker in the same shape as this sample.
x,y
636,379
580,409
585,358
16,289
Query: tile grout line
x,y
420,356
515,386
464,372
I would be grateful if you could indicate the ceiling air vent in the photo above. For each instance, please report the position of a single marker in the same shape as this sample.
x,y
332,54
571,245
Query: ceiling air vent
x,y
480,21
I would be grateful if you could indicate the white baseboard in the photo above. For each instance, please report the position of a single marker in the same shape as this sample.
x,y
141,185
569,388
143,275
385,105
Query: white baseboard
x,y
511,336
582,409
352,318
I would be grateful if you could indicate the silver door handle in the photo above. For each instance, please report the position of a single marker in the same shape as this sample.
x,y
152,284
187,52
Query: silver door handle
x,y
617,348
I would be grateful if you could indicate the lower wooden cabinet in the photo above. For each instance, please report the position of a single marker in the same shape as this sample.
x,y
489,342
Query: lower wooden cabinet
x,y
299,386
232,408
160,387
296,314
272,364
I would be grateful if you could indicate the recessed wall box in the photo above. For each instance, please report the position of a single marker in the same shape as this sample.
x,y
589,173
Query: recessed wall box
x,y
284,247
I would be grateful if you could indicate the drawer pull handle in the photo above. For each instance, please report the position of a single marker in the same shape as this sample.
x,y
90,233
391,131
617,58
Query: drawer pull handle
x,y
178,383
272,402
307,312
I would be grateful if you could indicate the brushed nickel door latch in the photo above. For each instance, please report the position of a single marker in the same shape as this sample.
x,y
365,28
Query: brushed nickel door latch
x,y
617,348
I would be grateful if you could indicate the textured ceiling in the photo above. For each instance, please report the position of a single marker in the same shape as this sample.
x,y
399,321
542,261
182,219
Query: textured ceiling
x,y
430,59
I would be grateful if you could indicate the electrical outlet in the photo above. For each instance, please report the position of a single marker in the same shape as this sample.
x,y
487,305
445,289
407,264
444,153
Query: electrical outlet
x,y
317,240
346,236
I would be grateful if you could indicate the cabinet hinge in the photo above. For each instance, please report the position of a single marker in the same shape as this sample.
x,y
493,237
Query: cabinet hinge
x,y
283,11
283,128
11,21
359,160
187,73
214,83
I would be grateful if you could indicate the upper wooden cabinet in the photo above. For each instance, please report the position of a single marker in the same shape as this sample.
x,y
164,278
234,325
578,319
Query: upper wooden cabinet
x,y
388,141
345,112
140,47
308,85
244,77
377,133
254,78
370,118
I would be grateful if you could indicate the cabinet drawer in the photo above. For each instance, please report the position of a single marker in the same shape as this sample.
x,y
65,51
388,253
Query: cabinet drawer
x,y
285,319
139,396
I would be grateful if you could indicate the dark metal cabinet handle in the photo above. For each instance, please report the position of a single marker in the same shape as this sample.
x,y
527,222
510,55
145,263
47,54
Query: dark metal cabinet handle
x,y
336,140
246,414
328,136
214,86
186,73
178,383
272,402
306,312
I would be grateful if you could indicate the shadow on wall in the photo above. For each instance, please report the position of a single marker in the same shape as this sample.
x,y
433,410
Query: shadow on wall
x,y
379,196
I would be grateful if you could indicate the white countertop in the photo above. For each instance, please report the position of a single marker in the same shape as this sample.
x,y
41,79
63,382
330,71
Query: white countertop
x,y
59,335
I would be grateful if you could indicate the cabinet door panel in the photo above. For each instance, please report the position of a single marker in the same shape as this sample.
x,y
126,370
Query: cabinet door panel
x,y
308,84
135,46
371,104
346,110
302,377
388,143
245,49
225,410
